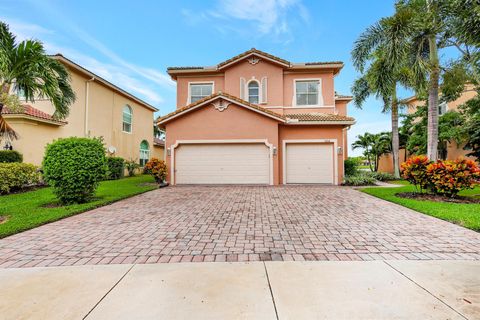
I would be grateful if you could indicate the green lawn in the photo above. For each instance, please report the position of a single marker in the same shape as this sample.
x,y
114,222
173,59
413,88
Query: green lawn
x,y
30,209
467,215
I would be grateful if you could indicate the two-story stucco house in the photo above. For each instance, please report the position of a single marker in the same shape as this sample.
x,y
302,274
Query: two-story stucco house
x,y
257,119
101,109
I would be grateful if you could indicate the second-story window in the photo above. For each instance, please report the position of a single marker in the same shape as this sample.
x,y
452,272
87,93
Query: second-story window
x,y
127,119
306,92
253,92
200,90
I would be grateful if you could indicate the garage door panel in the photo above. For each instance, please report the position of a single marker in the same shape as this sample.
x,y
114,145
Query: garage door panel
x,y
309,163
222,164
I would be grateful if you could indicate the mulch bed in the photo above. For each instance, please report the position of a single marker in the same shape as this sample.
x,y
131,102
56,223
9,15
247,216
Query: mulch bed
x,y
436,197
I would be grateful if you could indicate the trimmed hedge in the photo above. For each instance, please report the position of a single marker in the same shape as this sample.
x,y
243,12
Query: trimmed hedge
x,y
115,168
9,156
382,176
15,176
74,167
350,166
359,180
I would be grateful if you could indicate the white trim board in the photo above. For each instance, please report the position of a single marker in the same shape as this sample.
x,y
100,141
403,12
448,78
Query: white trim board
x,y
324,141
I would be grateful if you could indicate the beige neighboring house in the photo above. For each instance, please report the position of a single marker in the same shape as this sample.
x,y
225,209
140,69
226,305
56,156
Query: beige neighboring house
x,y
101,109
454,151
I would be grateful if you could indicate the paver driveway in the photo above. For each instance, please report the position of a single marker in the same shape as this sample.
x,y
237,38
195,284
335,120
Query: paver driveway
x,y
241,223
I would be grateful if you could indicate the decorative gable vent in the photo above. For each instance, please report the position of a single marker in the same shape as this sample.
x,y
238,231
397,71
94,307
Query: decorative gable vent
x,y
253,60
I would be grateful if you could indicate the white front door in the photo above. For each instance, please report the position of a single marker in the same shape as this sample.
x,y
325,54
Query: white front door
x,y
241,163
309,163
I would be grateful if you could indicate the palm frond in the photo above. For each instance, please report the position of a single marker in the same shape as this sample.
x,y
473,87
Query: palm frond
x,y
368,41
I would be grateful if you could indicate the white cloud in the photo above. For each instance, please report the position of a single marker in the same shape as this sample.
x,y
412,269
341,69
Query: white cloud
x,y
138,80
267,17
358,129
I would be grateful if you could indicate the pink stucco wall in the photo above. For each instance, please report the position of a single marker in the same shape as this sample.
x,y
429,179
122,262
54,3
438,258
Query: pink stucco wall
x,y
303,132
280,84
235,122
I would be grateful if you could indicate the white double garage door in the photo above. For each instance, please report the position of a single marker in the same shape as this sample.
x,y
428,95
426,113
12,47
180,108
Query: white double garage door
x,y
250,163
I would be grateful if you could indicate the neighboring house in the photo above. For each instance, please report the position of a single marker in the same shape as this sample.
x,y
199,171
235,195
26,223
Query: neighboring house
x,y
101,109
257,119
454,151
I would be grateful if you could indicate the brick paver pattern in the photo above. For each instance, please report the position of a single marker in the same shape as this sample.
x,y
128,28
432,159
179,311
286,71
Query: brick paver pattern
x,y
241,223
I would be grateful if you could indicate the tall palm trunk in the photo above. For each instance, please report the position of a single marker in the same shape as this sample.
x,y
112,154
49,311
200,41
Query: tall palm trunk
x,y
432,124
395,135
432,120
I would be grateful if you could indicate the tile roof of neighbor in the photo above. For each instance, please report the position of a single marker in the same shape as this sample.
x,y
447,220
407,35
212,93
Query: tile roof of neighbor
x,y
300,117
317,116
259,52
107,83
33,112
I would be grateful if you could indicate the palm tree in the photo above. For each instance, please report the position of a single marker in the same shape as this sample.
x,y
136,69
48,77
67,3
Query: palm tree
x,y
26,67
384,47
364,142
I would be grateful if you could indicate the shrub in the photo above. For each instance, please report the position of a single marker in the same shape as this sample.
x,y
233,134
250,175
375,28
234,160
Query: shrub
x,y
450,177
382,176
73,167
414,170
131,166
15,176
351,166
115,168
9,156
157,168
360,179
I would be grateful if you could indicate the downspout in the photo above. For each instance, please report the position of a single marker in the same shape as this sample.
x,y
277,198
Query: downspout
x,y
87,93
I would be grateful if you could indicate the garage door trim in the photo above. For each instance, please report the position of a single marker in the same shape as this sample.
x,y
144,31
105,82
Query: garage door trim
x,y
335,160
228,141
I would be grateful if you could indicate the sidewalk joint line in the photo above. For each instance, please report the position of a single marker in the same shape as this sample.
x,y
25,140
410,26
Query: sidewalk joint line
x,y
108,292
271,291
425,289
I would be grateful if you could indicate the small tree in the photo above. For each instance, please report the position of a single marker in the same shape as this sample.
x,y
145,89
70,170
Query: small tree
x,y
131,166
156,168
74,167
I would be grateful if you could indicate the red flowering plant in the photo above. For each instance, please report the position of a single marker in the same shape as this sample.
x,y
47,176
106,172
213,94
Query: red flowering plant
x,y
157,168
450,177
414,170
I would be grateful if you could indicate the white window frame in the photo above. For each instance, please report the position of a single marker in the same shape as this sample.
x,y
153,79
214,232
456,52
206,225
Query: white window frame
x,y
320,94
259,90
131,118
189,98
144,151
440,107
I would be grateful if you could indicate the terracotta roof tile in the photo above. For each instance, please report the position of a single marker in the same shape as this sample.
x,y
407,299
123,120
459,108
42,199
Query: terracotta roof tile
x,y
33,112
260,53
215,95
253,50
318,117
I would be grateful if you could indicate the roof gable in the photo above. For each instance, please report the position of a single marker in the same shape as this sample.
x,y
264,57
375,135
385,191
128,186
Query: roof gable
x,y
220,101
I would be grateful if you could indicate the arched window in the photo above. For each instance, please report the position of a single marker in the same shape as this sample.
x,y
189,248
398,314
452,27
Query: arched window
x,y
144,152
253,92
127,119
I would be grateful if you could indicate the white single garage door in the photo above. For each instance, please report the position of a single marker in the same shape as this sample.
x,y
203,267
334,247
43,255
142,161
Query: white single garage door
x,y
309,163
222,164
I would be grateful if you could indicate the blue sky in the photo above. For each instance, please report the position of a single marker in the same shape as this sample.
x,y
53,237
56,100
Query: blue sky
x,y
131,43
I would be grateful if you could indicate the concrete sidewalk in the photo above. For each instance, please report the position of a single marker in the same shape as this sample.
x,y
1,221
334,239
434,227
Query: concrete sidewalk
x,y
255,290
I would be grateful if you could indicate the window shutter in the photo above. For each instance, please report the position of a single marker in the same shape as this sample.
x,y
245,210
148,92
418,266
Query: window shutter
x,y
242,88
320,94
263,95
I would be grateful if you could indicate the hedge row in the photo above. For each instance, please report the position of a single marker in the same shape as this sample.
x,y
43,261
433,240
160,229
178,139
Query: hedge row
x,y
9,156
15,176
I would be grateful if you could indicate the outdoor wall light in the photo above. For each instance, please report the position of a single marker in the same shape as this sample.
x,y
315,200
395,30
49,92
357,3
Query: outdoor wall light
x,y
169,152
274,151
340,150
